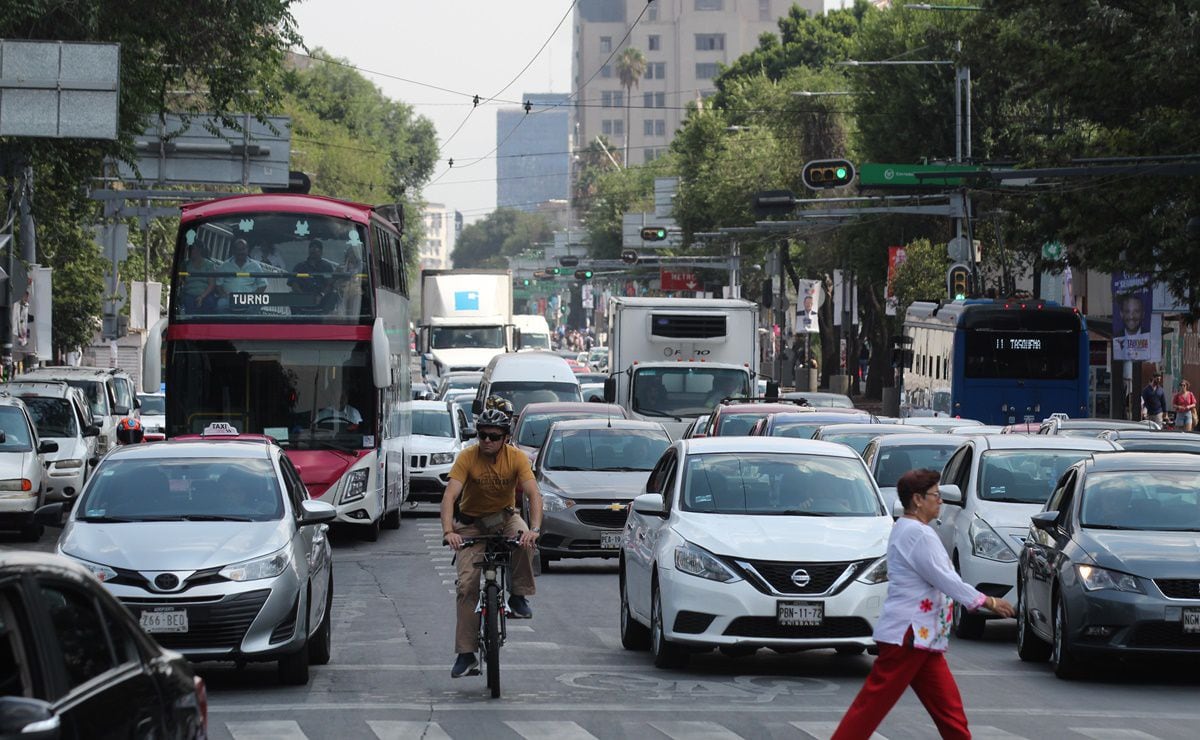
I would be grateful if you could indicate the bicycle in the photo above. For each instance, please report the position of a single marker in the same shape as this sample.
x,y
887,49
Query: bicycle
x,y
493,600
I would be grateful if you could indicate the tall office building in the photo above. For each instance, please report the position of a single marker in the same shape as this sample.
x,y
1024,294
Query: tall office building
x,y
439,237
532,160
683,41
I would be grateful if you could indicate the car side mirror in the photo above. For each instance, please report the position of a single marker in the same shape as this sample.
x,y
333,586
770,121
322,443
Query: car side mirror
x,y
772,389
476,407
51,515
951,494
137,403
1046,521
466,434
610,389
28,719
91,430
897,509
650,504
47,446
315,512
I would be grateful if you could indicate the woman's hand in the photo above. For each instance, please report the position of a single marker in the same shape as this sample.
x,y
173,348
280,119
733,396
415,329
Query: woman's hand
x,y
1000,606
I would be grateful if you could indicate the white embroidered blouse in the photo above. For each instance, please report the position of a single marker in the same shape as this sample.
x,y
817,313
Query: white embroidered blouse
x,y
922,587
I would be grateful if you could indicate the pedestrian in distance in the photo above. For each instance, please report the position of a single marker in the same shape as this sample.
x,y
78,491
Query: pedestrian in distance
x,y
1185,407
1154,399
914,626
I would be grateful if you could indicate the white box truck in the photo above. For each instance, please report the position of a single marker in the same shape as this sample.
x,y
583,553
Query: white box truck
x,y
466,319
673,359
533,331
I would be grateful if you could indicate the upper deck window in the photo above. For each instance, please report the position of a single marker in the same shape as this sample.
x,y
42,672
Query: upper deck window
x,y
272,267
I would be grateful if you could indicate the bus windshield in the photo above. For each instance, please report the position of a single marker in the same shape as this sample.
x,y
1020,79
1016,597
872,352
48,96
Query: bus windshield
x,y
307,395
271,267
686,391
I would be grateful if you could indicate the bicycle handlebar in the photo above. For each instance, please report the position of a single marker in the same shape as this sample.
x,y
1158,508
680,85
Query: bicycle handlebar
x,y
468,541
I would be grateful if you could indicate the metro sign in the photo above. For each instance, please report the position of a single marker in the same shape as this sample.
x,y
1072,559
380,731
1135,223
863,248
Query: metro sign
x,y
675,280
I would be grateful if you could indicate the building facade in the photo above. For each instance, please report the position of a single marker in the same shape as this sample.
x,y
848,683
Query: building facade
x,y
439,237
533,162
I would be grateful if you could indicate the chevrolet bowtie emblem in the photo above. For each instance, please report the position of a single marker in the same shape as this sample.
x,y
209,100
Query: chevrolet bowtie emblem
x,y
618,507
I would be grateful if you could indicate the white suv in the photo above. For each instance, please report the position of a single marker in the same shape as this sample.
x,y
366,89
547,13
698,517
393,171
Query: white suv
x,y
60,414
439,429
22,470
109,392
990,487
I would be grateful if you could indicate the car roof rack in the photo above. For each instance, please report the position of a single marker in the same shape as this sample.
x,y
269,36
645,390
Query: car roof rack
x,y
747,399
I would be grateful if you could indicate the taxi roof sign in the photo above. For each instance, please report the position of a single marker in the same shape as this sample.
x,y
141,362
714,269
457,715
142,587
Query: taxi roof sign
x,y
220,429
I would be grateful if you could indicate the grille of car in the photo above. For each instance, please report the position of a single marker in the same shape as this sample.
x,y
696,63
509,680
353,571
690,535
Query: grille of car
x,y
1179,588
419,462
1163,635
606,518
831,627
220,624
779,575
692,623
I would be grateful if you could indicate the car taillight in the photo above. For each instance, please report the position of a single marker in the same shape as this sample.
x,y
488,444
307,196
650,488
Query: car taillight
x,y
202,702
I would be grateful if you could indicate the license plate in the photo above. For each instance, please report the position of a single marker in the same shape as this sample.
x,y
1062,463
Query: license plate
x,y
610,539
1029,418
1191,620
800,613
164,619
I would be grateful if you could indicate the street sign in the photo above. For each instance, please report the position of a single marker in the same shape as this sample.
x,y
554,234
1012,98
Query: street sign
x,y
184,152
677,280
58,89
1052,251
883,175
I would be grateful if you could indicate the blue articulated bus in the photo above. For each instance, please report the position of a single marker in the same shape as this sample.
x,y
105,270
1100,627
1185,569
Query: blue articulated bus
x,y
997,361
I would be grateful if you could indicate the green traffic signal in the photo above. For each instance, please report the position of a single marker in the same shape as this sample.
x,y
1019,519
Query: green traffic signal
x,y
822,174
583,274
654,234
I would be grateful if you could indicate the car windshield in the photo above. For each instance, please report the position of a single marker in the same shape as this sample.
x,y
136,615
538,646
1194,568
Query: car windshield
x,y
96,395
776,483
468,382
1150,500
53,417
523,393
432,423
891,463
469,337
157,489
686,391
605,449
1024,476
738,425
1086,433
15,430
858,441
531,431
795,430
153,405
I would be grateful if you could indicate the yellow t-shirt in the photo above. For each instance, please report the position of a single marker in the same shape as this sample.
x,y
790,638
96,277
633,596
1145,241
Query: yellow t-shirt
x,y
488,486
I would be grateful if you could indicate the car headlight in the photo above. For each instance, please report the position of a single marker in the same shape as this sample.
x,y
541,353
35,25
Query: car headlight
x,y
356,485
68,464
267,566
441,458
1094,579
16,484
696,561
102,572
876,572
554,502
987,544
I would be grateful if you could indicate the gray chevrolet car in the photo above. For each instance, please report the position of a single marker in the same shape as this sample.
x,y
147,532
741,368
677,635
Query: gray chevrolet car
x,y
589,470
215,547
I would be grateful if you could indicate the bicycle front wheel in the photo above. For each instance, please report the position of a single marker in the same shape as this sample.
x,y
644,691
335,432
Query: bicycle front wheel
x,y
491,637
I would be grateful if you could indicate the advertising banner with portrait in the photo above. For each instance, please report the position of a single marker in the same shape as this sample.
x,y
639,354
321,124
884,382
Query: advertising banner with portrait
x,y
809,296
1137,330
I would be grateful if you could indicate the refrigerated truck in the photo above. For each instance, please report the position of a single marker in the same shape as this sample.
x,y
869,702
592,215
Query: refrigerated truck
x,y
466,319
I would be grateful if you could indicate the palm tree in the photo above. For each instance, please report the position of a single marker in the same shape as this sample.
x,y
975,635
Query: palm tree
x,y
631,65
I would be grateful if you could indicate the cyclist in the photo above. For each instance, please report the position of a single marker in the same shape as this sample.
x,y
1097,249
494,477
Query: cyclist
x,y
129,431
481,499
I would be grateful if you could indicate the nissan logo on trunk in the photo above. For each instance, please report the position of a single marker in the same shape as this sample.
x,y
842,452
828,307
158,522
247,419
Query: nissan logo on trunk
x,y
801,578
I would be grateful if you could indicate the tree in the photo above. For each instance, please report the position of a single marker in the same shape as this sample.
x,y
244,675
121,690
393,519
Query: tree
x,y
631,65
922,275
503,233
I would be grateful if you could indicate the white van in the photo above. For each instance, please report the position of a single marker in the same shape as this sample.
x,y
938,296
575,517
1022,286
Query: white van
x,y
527,377
109,392
534,332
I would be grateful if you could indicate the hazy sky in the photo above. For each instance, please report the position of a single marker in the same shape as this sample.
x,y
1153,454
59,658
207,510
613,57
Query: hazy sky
x,y
468,46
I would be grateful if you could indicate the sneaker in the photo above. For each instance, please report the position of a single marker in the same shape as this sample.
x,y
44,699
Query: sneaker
x,y
465,665
518,607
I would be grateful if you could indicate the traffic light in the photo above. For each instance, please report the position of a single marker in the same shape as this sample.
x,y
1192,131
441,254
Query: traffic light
x,y
584,275
654,233
526,282
553,271
629,256
821,174
958,281
568,261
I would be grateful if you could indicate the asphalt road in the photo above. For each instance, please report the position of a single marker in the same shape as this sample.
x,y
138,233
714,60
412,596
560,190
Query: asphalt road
x,y
566,677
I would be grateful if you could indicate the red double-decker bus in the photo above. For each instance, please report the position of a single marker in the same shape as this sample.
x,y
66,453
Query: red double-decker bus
x,y
289,317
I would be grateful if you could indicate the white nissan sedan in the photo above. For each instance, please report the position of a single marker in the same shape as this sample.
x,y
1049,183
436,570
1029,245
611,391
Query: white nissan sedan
x,y
749,542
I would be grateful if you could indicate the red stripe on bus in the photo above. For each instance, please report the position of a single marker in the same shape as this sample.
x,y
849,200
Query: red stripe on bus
x,y
311,332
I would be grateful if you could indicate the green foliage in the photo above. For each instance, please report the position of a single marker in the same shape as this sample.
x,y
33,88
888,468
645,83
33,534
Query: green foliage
x,y
503,233
922,275
618,192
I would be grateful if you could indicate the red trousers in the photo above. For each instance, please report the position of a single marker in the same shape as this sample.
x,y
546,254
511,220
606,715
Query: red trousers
x,y
897,668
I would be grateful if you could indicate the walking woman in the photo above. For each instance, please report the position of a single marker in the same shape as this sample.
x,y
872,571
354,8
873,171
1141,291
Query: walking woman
x,y
914,627
1185,407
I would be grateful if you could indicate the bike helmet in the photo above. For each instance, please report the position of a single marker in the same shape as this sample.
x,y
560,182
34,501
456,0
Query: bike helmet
x,y
499,403
493,418
130,431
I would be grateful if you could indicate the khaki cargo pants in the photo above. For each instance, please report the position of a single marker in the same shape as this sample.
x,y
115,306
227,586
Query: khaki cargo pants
x,y
520,577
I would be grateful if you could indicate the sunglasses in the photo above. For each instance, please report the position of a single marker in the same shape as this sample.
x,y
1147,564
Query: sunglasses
x,y
491,436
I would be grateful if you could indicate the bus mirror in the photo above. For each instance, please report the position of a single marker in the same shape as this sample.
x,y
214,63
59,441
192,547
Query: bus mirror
x,y
423,340
610,389
152,358
516,338
381,356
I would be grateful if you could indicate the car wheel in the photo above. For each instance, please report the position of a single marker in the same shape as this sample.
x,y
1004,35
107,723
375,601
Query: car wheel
x,y
293,668
32,532
371,531
666,654
391,520
1030,647
320,645
850,650
1066,665
634,635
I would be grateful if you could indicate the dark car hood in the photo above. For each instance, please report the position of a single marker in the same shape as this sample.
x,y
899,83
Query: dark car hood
x,y
1146,554
595,484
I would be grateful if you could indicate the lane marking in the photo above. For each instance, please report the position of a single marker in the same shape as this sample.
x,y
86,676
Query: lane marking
x,y
1111,733
386,729
987,732
266,730
609,637
695,731
550,731
824,730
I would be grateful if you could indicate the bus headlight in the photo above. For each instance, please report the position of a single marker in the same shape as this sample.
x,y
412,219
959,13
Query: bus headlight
x,y
356,485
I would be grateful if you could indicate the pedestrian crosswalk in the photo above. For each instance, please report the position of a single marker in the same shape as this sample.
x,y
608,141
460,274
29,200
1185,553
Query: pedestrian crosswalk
x,y
653,728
